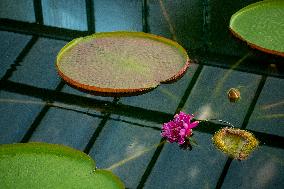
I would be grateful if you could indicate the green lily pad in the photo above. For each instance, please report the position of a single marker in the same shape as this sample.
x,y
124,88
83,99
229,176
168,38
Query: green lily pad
x,y
42,165
121,63
261,25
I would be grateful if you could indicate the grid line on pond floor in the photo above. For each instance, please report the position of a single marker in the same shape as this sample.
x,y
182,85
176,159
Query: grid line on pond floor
x,y
160,147
49,95
19,59
244,125
40,116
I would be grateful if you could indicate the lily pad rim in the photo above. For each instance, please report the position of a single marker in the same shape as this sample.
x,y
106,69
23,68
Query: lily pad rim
x,y
121,91
35,147
252,45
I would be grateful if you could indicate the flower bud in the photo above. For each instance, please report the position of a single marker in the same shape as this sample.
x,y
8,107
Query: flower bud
x,y
234,95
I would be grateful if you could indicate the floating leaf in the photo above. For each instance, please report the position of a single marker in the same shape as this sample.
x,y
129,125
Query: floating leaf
x,y
42,165
234,142
121,63
261,25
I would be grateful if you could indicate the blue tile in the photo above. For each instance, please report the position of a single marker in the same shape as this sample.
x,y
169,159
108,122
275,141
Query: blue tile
x,y
165,98
66,127
136,122
69,14
264,169
176,168
269,111
11,45
22,10
126,150
17,114
181,20
38,67
70,90
208,98
90,108
115,15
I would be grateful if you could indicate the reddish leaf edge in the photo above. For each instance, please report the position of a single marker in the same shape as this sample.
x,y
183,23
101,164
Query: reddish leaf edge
x,y
254,46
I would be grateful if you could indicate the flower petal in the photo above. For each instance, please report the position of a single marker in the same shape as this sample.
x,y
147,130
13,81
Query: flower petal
x,y
194,124
181,140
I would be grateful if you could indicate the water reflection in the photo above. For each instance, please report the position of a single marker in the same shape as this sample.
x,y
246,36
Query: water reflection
x,y
139,151
221,82
168,20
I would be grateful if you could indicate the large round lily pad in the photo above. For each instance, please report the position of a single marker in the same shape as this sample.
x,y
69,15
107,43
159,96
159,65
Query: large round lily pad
x,y
41,165
121,63
261,25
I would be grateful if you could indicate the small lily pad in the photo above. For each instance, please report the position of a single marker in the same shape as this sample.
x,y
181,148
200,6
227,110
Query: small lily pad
x,y
121,63
234,142
42,165
261,25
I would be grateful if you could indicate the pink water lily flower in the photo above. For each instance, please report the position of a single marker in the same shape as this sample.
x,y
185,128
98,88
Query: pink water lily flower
x,y
179,129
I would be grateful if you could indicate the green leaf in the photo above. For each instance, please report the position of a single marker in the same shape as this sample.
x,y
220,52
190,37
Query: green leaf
x,y
42,165
261,25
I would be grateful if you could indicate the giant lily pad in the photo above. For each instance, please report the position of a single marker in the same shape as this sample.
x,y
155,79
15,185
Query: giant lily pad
x,y
121,63
261,25
41,165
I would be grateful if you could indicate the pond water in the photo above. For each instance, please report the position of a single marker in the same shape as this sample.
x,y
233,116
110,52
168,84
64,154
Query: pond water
x,y
123,134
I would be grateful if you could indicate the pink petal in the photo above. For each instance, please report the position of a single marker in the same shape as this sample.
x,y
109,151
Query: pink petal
x,y
188,132
194,124
181,140
182,132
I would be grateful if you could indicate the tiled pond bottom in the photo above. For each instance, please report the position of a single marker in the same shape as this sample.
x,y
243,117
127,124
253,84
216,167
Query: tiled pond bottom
x,y
123,135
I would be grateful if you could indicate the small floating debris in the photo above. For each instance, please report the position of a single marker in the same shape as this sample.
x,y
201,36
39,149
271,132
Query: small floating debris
x,y
234,95
236,143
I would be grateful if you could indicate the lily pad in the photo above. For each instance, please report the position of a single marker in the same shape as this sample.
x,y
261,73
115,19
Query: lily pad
x,y
261,25
42,165
234,142
121,63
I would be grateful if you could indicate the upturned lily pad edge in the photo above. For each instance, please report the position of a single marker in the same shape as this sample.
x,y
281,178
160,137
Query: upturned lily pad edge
x,y
252,45
115,92
59,150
